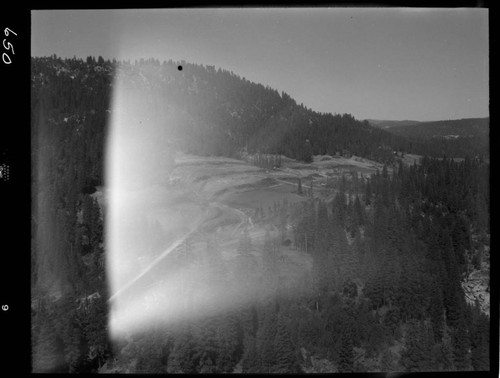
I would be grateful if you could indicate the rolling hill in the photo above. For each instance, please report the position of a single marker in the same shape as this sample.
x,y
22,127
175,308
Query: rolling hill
x,y
455,138
457,128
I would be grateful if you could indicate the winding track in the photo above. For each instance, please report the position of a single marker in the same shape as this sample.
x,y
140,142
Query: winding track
x,y
207,224
215,213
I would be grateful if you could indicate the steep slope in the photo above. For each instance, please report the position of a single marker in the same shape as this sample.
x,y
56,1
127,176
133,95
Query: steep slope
x,y
209,111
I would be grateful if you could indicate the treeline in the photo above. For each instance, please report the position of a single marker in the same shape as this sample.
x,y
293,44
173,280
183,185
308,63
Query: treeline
x,y
68,122
456,138
459,148
266,161
405,242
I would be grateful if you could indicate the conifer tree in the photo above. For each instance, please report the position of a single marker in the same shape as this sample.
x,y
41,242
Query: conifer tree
x,y
388,361
416,355
251,358
436,311
443,353
461,344
265,339
229,340
359,212
286,359
368,192
346,354
180,359
47,350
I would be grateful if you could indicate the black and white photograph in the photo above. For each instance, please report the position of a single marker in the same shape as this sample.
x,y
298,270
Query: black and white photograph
x,y
266,190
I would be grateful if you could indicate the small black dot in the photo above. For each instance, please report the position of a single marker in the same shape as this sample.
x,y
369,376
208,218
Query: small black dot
x,y
179,68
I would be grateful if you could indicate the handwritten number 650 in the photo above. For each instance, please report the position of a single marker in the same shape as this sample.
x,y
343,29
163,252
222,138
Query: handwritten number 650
x,y
5,57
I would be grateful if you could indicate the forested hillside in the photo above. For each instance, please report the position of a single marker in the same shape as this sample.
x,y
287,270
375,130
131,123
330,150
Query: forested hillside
x,y
389,251
455,138
69,106
210,111
469,127
384,292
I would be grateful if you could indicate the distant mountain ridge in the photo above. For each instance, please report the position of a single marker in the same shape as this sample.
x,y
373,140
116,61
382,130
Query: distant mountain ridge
x,y
384,124
462,127
466,127
455,137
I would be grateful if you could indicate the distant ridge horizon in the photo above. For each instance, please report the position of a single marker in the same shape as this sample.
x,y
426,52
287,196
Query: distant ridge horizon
x,y
377,121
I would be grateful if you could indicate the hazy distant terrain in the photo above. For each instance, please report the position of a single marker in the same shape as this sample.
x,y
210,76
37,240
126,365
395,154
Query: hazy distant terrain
x,y
389,124
460,128
456,138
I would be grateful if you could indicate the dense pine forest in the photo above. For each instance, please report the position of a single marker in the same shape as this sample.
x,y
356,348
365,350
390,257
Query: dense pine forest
x,y
389,251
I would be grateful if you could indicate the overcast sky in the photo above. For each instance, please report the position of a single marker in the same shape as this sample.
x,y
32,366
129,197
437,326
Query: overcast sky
x,y
370,62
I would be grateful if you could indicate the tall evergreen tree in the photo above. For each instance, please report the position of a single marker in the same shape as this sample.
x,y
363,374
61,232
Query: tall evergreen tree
x,y
180,359
286,359
266,339
346,354
443,353
461,344
416,355
251,357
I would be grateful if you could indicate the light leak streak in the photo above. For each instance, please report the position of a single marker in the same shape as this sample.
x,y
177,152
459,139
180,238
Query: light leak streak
x,y
141,205
155,262
141,295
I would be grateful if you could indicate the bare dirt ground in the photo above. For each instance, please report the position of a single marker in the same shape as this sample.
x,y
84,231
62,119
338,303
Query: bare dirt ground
x,y
216,198
237,188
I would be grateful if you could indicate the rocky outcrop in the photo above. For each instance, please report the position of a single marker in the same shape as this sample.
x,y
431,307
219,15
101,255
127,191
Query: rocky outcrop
x,y
476,285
